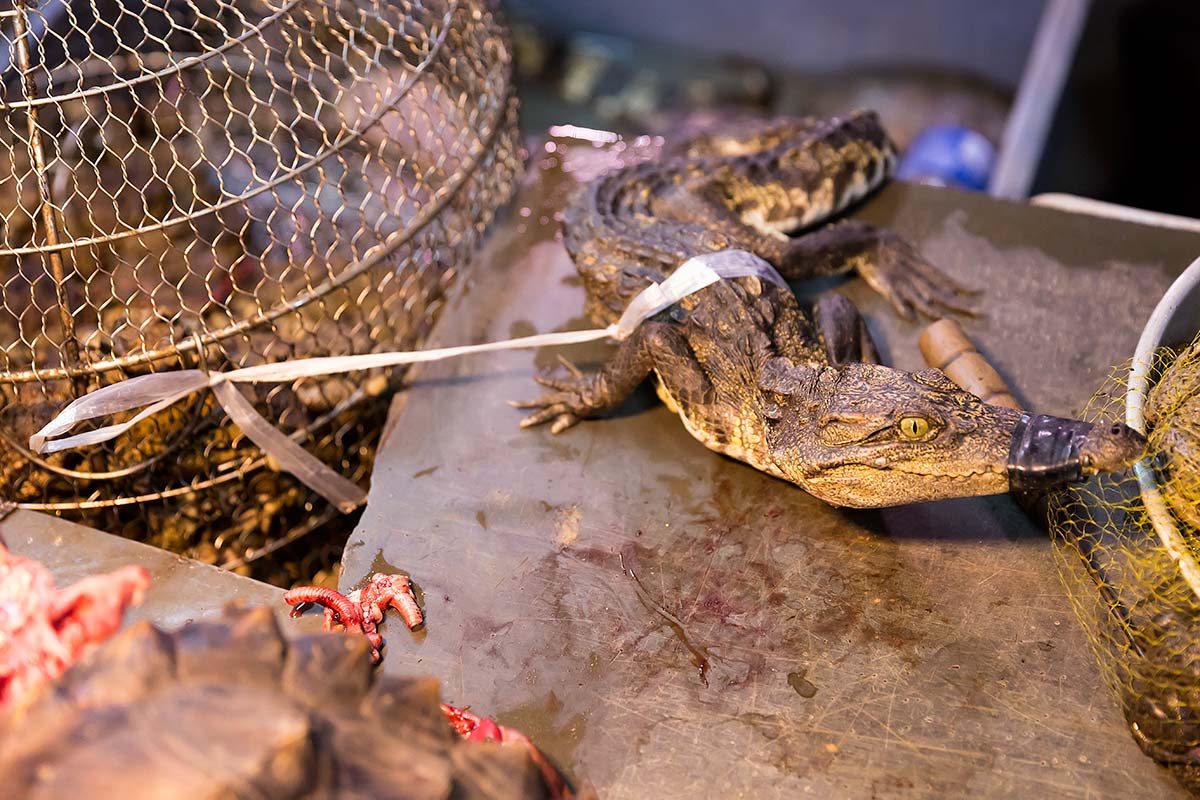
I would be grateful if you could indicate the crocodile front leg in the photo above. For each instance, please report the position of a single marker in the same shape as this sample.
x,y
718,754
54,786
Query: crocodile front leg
x,y
655,346
892,267
843,332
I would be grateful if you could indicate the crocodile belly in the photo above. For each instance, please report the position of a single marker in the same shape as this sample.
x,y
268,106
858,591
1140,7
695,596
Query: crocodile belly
x,y
743,441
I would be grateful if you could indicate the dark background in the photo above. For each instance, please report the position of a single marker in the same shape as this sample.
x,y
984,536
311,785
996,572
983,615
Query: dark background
x,y
1123,130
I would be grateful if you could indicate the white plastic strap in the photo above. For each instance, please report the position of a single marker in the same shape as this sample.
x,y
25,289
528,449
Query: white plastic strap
x,y
160,390
343,493
692,276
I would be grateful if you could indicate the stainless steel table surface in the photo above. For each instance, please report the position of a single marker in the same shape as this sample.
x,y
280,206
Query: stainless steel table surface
x,y
923,651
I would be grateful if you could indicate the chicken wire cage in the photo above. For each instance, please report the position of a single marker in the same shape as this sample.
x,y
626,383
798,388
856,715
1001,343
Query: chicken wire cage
x,y
220,184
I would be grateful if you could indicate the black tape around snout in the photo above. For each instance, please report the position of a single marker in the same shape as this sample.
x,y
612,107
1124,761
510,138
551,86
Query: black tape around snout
x,y
1045,452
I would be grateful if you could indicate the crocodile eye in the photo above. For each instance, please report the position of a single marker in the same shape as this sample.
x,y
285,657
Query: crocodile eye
x,y
913,427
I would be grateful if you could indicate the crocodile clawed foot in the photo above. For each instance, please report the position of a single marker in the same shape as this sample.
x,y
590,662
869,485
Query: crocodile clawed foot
x,y
554,408
572,400
912,285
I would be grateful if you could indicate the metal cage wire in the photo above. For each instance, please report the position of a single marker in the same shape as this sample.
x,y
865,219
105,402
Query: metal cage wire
x,y
219,184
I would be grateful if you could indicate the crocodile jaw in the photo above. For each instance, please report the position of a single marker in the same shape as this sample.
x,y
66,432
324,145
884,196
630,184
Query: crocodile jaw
x,y
857,486
1000,459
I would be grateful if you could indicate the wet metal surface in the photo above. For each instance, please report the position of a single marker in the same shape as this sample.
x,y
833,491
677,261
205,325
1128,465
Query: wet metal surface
x,y
770,646
180,589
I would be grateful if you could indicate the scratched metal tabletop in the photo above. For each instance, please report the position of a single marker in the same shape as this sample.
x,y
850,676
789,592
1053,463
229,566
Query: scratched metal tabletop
x,y
924,651
181,589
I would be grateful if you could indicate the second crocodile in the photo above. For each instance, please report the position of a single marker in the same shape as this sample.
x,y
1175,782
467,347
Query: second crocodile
x,y
756,377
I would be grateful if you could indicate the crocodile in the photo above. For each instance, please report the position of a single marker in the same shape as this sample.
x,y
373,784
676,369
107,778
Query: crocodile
x,y
798,393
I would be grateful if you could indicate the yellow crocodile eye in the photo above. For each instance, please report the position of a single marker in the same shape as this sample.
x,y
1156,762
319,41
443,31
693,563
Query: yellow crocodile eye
x,y
914,427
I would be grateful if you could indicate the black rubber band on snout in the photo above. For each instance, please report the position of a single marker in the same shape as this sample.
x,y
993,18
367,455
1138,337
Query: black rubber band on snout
x,y
1045,452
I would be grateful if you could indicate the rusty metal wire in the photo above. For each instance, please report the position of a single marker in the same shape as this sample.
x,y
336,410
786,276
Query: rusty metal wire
x,y
224,183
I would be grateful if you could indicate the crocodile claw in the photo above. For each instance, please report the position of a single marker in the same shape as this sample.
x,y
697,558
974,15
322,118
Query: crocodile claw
x,y
572,400
911,284
554,408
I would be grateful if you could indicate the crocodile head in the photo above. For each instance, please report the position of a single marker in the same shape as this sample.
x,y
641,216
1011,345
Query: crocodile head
x,y
867,436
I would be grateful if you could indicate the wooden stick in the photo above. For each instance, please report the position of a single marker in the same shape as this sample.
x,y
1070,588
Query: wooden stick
x,y
945,346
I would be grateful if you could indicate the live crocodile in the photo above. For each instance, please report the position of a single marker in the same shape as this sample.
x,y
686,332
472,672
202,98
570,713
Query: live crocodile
x,y
750,372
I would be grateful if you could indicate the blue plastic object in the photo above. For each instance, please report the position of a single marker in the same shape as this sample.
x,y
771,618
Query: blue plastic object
x,y
949,155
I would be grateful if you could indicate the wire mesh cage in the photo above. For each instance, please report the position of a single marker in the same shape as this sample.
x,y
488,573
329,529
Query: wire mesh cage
x,y
223,183
1133,581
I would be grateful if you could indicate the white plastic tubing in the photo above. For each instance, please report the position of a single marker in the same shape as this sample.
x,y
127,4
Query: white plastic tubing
x,y
1161,517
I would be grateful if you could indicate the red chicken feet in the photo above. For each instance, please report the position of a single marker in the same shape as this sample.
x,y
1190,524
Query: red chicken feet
x,y
362,610
484,729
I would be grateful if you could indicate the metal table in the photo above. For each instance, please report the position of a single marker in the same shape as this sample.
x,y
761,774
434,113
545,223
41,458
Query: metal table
x,y
924,651
180,591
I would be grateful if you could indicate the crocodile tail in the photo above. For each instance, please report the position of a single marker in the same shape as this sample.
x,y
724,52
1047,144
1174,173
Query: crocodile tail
x,y
857,155
805,180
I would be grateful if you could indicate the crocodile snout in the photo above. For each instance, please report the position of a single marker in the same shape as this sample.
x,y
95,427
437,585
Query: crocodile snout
x,y
1111,447
1051,451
